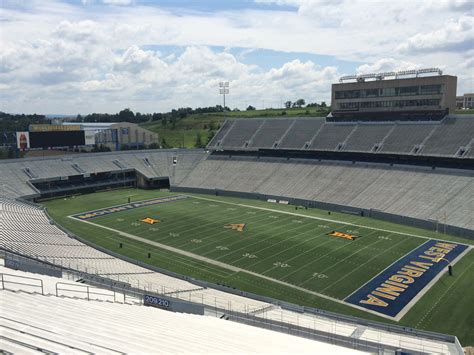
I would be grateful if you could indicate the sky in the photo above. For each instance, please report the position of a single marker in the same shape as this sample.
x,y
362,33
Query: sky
x,y
79,57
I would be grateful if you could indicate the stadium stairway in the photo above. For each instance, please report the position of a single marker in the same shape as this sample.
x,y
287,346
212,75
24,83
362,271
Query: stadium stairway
x,y
32,323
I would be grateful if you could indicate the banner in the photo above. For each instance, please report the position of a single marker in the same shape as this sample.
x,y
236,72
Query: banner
x,y
53,128
89,137
23,140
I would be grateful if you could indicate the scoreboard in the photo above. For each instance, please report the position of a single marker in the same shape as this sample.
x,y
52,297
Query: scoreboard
x,y
56,139
50,139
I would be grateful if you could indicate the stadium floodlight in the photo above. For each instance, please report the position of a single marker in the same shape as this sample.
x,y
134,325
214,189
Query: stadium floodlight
x,y
381,76
224,89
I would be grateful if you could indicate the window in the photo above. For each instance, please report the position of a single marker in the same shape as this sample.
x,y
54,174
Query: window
x,y
370,93
387,92
348,94
430,89
408,90
400,103
349,106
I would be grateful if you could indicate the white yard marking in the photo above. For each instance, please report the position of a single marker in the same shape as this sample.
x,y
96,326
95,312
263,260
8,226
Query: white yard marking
x,y
323,219
280,264
220,247
361,265
250,256
227,266
320,275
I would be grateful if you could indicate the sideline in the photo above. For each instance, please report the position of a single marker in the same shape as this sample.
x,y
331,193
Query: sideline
x,y
327,220
229,267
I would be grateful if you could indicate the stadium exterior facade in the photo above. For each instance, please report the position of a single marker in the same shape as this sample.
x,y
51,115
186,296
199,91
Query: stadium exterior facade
x,y
392,96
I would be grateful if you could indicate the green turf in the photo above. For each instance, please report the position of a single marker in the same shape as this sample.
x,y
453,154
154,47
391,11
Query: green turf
x,y
279,246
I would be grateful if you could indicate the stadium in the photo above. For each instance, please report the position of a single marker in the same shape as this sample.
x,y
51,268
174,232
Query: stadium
x,y
351,233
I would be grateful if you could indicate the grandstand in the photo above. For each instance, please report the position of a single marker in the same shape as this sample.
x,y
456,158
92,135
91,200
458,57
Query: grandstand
x,y
432,138
418,173
36,321
30,322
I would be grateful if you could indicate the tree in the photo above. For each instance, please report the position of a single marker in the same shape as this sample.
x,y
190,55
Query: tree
x,y
323,104
288,104
300,102
164,144
210,135
199,143
126,115
250,108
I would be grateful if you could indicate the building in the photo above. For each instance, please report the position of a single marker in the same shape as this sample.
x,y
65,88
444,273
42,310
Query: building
x,y
465,102
117,135
407,95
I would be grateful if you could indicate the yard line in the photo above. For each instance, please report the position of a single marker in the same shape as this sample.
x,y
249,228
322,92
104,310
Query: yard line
x,y
422,319
299,255
358,267
317,259
326,219
263,240
229,267
340,261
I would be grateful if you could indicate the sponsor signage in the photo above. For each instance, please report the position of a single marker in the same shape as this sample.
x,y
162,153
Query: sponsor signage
x,y
53,128
23,140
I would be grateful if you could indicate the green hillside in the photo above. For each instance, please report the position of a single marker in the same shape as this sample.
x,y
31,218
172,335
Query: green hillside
x,y
185,131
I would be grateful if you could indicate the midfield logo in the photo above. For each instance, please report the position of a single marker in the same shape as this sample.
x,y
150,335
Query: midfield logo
x,y
238,227
150,220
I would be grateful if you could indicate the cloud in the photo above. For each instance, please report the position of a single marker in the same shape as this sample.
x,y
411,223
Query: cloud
x,y
109,2
64,57
386,65
118,2
135,60
453,36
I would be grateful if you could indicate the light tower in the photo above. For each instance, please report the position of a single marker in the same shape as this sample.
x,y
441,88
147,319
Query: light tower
x,y
224,89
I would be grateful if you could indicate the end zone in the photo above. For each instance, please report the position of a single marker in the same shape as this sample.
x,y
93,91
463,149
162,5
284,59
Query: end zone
x,y
128,206
392,290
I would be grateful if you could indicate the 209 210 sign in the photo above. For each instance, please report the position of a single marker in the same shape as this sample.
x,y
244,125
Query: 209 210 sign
x,y
155,301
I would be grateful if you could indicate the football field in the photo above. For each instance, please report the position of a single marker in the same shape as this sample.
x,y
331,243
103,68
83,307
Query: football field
x,y
319,256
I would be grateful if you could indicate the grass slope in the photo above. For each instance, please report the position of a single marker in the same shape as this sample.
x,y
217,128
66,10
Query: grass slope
x,y
185,131
303,246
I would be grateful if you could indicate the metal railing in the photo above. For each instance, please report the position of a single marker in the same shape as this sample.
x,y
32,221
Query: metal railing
x,y
88,292
5,282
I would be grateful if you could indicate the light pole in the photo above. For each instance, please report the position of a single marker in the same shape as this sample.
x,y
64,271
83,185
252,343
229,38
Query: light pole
x,y
224,89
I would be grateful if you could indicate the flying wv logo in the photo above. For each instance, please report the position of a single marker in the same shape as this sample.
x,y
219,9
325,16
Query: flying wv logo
x,y
238,227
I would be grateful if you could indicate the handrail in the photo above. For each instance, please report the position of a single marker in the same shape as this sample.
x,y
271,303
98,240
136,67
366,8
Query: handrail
x,y
3,281
86,291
